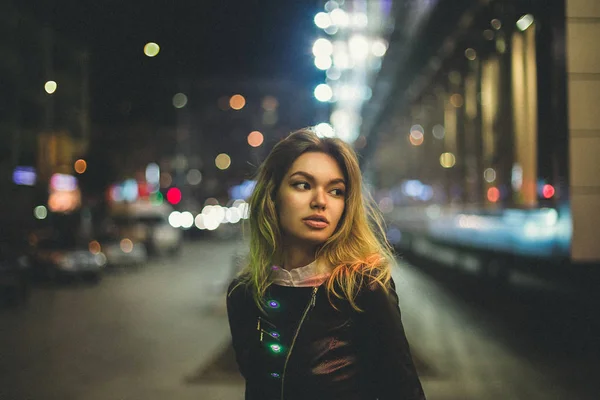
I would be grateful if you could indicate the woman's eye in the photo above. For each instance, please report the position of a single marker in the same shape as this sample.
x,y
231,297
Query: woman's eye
x,y
301,185
338,192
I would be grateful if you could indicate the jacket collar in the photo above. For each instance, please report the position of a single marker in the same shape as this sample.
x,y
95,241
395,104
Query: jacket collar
x,y
311,275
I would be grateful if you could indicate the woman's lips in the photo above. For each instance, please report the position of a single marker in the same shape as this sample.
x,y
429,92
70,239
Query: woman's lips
x,y
313,223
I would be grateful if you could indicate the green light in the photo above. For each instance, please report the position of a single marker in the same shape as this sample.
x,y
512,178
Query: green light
x,y
156,199
276,348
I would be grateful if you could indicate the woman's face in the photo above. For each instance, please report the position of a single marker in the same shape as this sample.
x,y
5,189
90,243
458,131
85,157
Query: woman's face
x,y
311,199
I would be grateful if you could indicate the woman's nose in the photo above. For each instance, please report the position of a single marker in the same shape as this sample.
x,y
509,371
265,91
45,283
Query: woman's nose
x,y
319,200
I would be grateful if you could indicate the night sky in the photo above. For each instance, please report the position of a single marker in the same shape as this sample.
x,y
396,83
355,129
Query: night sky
x,y
198,39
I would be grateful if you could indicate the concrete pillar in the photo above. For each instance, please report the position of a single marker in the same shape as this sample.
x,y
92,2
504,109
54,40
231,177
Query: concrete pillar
x,y
583,82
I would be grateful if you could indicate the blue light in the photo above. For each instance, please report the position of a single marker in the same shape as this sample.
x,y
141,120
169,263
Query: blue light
x,y
24,176
273,304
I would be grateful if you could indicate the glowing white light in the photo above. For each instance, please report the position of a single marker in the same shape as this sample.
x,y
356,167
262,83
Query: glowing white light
x,y
360,20
322,48
324,130
339,17
323,92
341,60
323,62
334,74
322,20
187,220
379,47
175,219
359,47
331,5
50,87
153,173
525,22
199,221
235,215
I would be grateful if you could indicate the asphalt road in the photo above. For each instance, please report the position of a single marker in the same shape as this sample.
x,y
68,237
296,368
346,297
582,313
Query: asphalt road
x,y
160,332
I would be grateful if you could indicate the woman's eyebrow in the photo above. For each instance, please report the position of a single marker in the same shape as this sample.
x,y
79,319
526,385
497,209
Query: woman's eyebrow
x,y
312,178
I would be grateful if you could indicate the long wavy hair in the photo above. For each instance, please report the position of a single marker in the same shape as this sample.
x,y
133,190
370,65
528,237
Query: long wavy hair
x,y
357,249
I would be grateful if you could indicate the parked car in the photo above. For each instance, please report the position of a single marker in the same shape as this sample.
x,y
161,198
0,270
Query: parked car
x,y
149,224
14,273
57,257
120,251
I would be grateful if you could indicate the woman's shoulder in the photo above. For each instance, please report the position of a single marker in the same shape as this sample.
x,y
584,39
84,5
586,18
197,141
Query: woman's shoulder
x,y
239,286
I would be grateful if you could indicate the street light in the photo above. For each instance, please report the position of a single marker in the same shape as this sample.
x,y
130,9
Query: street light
x,y
50,87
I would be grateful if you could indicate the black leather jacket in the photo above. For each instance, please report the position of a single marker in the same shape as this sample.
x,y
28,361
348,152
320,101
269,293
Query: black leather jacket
x,y
303,348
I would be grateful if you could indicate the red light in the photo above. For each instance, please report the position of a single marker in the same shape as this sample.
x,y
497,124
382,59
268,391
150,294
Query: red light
x,y
548,191
493,194
174,195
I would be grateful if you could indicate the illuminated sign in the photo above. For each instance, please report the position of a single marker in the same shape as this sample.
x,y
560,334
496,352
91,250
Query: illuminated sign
x,y
63,183
24,176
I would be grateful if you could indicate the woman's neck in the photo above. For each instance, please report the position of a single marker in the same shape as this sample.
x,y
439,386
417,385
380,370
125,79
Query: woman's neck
x,y
297,256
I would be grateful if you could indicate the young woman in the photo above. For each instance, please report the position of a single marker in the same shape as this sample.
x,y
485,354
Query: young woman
x,y
314,315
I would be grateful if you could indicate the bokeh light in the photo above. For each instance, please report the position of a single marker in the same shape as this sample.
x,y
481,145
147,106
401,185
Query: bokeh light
x,y
379,47
456,100
80,166
489,175
40,212
255,138
194,177
548,191
237,102
50,87
323,92
151,49
94,247
180,100
322,20
438,131
174,195
222,161
322,48
324,130
447,160
493,194
126,245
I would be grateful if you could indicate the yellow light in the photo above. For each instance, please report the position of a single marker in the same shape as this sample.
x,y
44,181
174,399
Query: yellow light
x,y
255,139
237,102
456,100
151,49
50,87
447,160
80,166
126,245
223,161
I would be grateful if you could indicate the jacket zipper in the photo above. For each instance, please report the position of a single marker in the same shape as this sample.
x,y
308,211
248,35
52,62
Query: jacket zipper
x,y
310,305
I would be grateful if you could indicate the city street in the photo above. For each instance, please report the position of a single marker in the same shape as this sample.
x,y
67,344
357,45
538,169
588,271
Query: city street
x,y
160,332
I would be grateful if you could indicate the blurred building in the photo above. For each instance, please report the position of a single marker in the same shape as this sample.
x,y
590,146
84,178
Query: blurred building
x,y
491,105
44,116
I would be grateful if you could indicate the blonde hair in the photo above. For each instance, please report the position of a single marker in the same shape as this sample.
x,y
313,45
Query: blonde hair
x,y
357,249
